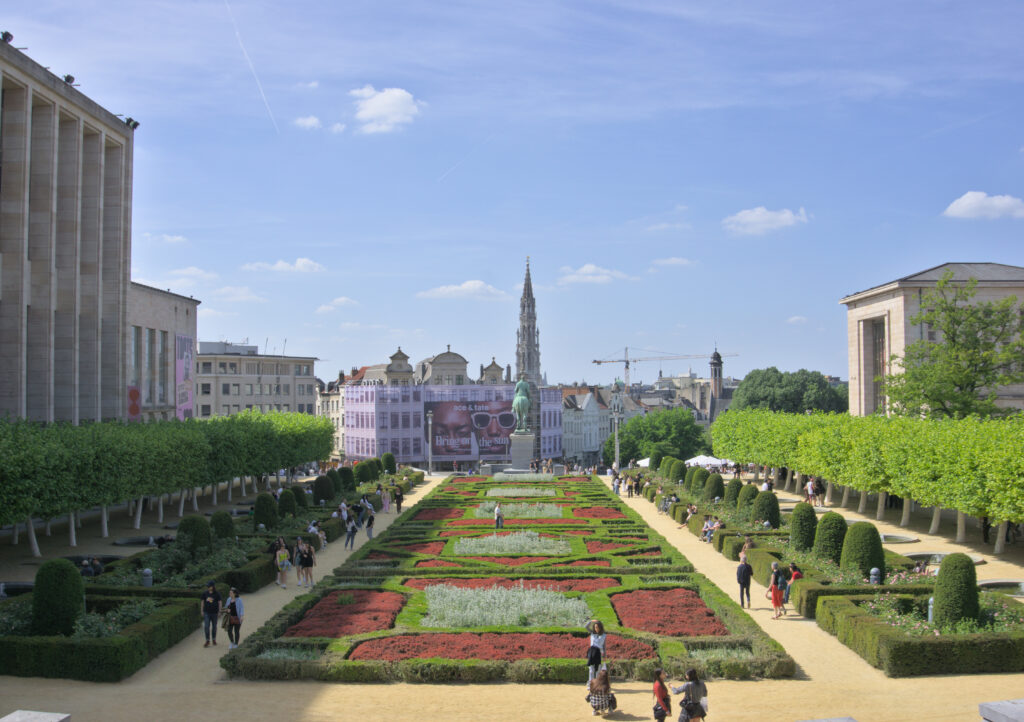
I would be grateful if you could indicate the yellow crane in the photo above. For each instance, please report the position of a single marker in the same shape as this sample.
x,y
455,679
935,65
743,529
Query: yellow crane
x,y
675,357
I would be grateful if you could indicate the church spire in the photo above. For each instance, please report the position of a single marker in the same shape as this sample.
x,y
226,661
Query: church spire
x,y
527,337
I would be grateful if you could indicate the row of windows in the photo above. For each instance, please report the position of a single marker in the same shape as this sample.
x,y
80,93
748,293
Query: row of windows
x,y
258,390
228,409
255,368
148,364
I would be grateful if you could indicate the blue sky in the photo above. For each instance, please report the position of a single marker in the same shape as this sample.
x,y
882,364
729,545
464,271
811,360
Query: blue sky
x,y
351,176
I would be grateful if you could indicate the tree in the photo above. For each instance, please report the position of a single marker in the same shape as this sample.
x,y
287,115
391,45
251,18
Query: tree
x,y
977,349
674,432
795,392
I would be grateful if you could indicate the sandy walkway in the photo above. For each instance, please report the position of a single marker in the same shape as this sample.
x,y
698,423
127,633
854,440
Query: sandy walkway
x,y
186,682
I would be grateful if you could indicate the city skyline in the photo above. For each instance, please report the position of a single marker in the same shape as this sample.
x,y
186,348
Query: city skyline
x,y
353,179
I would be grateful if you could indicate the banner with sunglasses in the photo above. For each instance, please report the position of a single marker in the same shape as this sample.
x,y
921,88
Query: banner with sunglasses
x,y
471,429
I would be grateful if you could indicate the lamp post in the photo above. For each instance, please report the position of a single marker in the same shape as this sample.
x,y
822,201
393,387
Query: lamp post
x,y
430,442
616,416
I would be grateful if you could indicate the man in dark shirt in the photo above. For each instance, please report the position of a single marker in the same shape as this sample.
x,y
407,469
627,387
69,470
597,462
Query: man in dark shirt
x,y
211,604
743,574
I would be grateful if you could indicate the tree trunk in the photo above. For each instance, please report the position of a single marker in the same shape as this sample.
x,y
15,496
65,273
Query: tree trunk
x,y
78,521
908,505
215,486
104,531
961,527
231,484
160,509
131,508
791,476
195,500
137,523
936,518
862,505
828,492
33,543
181,503
14,536
72,537
757,468
880,512
846,497
1000,537
49,531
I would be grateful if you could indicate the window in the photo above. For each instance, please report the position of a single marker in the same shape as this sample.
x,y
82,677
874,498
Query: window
x,y
417,447
161,372
287,389
458,379
234,390
383,423
416,395
251,368
248,389
204,410
207,367
405,420
416,419
234,408
277,389
225,410
248,407
406,443
222,367
287,407
394,419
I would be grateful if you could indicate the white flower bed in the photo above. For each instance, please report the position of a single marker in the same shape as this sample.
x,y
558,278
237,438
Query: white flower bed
x,y
452,607
519,491
519,511
501,476
520,542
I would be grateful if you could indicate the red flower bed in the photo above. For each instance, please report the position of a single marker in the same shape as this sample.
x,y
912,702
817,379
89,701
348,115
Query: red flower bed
x,y
512,522
585,563
435,563
483,532
424,547
510,561
436,514
369,612
645,554
453,490
509,647
468,479
379,555
597,512
575,478
557,585
603,546
674,612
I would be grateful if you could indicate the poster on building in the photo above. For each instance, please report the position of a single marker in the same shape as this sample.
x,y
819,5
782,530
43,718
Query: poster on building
x,y
184,366
470,429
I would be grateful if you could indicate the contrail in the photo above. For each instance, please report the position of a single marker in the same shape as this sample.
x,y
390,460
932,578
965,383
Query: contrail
x,y
251,67
465,158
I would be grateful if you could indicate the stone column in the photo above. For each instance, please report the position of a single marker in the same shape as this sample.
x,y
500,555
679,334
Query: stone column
x,y
90,281
112,298
69,212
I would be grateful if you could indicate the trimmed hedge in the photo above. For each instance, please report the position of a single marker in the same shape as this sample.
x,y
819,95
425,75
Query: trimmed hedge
x,y
766,508
265,511
348,479
745,499
286,503
732,492
677,472
196,530
301,497
803,523
58,599
688,478
700,476
654,461
714,488
335,478
222,525
862,549
956,590
829,536
387,459
323,490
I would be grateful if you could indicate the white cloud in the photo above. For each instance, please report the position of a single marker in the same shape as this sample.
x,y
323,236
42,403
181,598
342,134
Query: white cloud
x,y
237,294
382,111
976,204
308,122
164,237
358,326
590,273
469,289
760,220
194,272
796,320
301,265
338,128
212,313
335,304
674,261
668,226
311,85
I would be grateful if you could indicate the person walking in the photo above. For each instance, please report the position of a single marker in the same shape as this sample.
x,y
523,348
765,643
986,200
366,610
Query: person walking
x,y
744,573
210,604
794,574
662,701
499,516
776,590
370,518
385,500
306,559
283,562
236,611
695,697
350,533
399,498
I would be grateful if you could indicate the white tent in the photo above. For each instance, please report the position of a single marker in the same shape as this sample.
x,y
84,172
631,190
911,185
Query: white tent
x,y
644,462
704,460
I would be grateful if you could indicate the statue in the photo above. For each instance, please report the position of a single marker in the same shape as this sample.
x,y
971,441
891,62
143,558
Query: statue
x,y
521,405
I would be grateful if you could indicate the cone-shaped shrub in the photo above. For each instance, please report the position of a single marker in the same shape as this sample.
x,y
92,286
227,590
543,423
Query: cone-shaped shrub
x,y
286,503
700,476
363,472
323,490
829,536
194,532
335,479
714,488
678,471
688,479
348,479
745,499
654,462
301,500
766,508
862,549
378,468
802,525
665,468
221,525
58,598
732,492
265,510
956,590
388,460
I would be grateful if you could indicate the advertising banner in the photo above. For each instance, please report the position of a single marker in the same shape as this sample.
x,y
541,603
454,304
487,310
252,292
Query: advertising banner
x,y
184,365
471,429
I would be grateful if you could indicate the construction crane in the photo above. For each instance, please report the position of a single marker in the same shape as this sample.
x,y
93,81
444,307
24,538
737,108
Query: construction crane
x,y
627,360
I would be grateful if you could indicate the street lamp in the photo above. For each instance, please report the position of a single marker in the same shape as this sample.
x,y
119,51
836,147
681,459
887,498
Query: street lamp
x,y
430,442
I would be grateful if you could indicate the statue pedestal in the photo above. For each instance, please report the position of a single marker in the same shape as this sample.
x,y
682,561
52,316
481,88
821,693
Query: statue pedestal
x,y
521,449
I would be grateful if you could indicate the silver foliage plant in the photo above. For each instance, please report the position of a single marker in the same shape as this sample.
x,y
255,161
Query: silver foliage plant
x,y
454,607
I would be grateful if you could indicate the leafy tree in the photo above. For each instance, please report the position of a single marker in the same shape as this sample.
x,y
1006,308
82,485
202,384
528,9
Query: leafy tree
x,y
795,392
978,348
674,432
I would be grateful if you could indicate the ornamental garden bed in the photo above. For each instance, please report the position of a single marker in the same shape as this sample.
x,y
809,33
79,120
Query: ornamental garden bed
x,y
514,609
349,612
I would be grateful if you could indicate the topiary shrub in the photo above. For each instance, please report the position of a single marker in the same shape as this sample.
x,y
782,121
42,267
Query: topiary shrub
x,y
377,467
745,499
389,463
362,472
194,535
301,500
335,479
956,591
265,510
58,599
665,468
286,503
654,461
714,488
862,549
688,479
348,479
323,490
829,536
802,525
677,472
766,508
732,492
222,525
700,477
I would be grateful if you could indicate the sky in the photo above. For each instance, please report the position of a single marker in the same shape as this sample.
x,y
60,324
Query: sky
x,y
341,178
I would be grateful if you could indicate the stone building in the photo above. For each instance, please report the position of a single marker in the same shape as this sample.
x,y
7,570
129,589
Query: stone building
x,y
878,325
446,368
234,377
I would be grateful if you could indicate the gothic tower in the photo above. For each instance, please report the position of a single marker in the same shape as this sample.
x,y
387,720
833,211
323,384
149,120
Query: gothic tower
x,y
528,354
716,375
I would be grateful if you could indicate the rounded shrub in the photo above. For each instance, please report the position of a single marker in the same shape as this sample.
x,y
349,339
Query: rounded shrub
x,y
829,536
862,549
323,490
335,478
654,462
348,479
665,468
802,525
58,598
745,499
377,466
222,525
286,503
732,492
688,479
956,590
301,500
194,533
714,488
766,508
676,473
265,510
388,460
700,477
362,472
